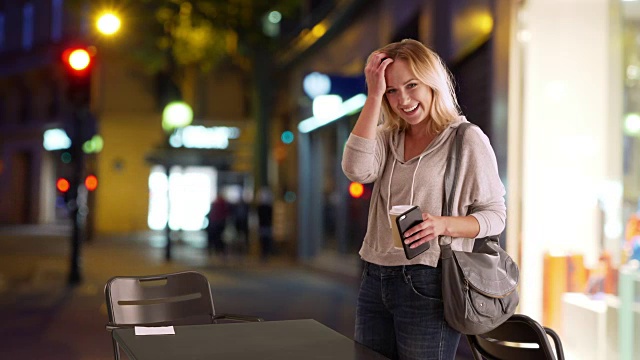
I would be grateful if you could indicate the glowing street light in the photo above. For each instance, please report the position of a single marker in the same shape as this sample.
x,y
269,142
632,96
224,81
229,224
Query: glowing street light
x,y
108,24
176,114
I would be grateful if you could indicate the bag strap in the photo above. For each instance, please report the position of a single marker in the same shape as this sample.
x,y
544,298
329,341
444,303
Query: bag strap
x,y
452,170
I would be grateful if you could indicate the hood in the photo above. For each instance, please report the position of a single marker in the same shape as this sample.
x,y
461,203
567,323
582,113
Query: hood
x,y
435,144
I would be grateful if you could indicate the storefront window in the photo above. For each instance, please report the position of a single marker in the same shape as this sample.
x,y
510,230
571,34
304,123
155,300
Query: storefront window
x,y
574,171
628,289
631,128
183,199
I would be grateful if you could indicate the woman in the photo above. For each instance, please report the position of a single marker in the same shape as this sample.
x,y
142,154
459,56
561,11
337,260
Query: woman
x,y
400,311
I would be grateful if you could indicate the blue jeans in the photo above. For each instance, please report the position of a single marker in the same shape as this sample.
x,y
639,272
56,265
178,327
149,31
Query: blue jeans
x,y
400,313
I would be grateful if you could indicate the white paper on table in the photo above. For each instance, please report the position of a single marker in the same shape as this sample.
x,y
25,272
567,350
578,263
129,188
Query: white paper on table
x,y
154,330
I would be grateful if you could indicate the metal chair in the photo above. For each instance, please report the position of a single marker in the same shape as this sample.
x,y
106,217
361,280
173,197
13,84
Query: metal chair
x,y
182,298
520,338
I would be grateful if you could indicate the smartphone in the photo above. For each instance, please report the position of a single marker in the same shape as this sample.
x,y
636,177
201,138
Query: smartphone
x,y
406,221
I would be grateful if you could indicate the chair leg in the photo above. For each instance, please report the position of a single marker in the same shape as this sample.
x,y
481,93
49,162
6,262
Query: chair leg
x,y
474,351
556,342
116,349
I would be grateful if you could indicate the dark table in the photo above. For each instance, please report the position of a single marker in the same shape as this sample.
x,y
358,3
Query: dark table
x,y
292,339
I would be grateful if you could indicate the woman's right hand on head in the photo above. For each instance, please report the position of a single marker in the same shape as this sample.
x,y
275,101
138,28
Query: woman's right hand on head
x,y
370,114
374,74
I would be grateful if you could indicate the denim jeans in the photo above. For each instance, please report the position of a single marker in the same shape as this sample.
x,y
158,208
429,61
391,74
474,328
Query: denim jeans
x,y
400,313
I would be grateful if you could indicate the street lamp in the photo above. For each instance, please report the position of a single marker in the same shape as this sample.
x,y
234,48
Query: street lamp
x,y
108,24
176,114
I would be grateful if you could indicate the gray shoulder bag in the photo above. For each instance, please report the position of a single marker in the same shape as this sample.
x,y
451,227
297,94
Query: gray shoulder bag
x,y
478,287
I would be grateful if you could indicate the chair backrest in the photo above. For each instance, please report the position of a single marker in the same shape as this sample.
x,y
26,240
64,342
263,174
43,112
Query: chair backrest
x,y
166,299
520,337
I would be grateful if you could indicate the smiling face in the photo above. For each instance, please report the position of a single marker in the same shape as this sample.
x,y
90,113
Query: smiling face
x,y
408,97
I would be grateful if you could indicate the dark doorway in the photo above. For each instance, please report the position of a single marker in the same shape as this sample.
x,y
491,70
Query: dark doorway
x,y
20,194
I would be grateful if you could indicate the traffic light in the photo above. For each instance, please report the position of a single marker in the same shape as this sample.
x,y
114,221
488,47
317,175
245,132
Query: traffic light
x,y
68,191
356,190
78,62
63,185
91,182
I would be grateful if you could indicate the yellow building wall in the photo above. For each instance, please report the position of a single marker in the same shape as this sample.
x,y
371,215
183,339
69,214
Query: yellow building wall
x,y
122,198
130,126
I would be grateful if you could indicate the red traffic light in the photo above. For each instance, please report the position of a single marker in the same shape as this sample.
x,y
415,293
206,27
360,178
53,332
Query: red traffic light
x,y
356,190
78,62
63,185
91,182
77,59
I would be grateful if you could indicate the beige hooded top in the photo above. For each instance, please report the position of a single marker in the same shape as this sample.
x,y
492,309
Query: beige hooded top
x,y
420,181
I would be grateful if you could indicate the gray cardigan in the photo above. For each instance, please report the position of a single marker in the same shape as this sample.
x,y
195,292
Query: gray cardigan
x,y
420,181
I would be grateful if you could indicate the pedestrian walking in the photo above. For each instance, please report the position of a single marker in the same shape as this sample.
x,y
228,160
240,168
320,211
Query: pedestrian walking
x,y
241,221
218,216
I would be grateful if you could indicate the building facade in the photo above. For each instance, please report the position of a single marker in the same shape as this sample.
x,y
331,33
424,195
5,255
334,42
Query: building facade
x,y
125,101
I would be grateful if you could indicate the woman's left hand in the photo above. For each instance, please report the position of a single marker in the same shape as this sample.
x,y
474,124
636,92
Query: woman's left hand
x,y
430,228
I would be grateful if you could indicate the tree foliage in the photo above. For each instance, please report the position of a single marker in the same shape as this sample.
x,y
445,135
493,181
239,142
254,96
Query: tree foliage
x,y
203,33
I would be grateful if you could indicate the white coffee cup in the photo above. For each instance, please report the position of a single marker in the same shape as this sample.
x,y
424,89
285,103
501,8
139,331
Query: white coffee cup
x,y
393,214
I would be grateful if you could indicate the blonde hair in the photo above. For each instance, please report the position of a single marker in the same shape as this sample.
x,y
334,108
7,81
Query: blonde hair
x,y
429,68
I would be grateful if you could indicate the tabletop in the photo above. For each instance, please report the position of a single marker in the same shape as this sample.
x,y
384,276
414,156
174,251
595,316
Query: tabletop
x,y
290,339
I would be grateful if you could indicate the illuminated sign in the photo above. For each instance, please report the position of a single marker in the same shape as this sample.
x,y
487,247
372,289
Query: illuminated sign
x,y
348,107
200,137
316,84
56,139
326,107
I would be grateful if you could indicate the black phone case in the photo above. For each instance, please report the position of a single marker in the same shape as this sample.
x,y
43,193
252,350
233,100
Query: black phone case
x,y
406,221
